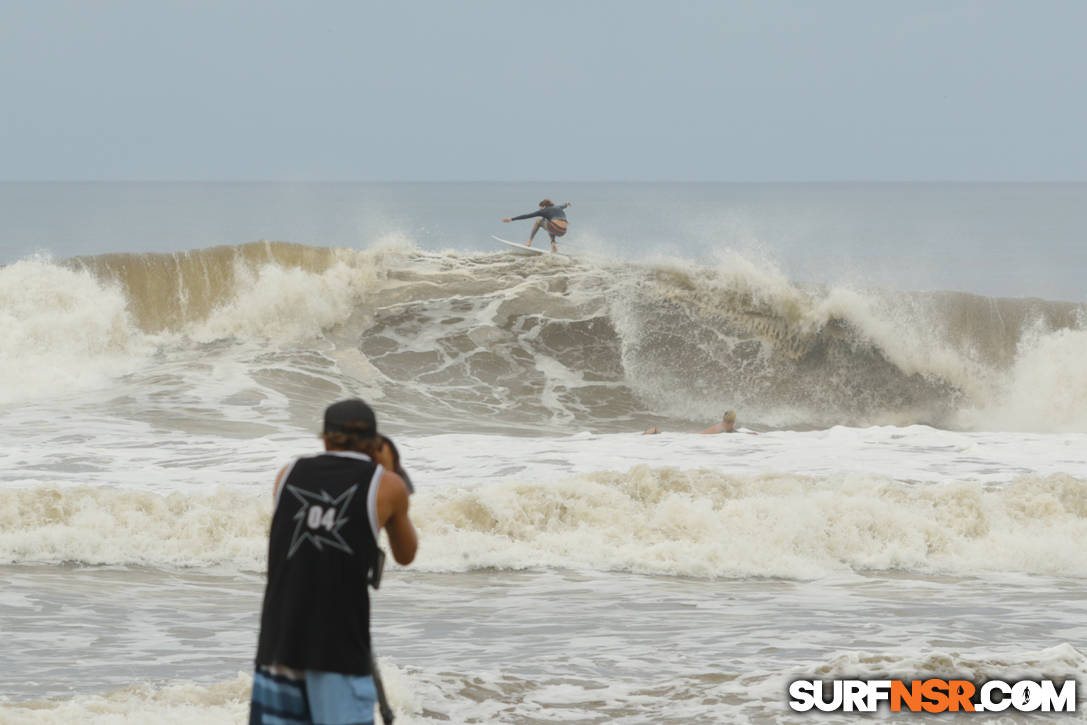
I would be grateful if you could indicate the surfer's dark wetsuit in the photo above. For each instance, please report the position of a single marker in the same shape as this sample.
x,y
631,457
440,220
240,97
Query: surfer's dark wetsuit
x,y
552,217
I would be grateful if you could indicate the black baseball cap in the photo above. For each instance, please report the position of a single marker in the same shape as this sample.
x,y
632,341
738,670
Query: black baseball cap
x,y
351,416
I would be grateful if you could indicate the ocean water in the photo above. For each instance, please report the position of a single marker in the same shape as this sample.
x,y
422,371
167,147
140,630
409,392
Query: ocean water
x,y
914,504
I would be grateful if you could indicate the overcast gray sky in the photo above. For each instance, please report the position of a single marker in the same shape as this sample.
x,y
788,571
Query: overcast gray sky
x,y
766,90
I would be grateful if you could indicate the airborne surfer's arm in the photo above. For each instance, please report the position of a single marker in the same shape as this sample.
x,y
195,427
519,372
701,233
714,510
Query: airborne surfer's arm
x,y
539,212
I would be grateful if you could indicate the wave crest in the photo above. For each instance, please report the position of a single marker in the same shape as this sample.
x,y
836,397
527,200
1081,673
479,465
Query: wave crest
x,y
707,524
696,523
493,339
170,292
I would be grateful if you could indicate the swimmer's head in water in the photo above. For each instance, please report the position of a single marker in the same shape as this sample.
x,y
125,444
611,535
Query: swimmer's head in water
x,y
729,417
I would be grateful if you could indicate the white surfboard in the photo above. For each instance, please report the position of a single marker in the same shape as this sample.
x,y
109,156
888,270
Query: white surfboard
x,y
520,247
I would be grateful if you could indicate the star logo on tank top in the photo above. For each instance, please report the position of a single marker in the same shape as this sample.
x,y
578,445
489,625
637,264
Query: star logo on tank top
x,y
320,518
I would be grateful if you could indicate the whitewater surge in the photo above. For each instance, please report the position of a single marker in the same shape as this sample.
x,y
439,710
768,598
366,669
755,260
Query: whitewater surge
x,y
113,526
475,695
694,523
225,703
706,524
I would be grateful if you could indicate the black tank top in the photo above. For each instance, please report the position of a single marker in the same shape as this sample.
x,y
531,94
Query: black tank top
x,y
316,613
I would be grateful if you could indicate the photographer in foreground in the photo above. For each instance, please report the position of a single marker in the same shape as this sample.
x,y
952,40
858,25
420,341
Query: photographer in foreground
x,y
314,661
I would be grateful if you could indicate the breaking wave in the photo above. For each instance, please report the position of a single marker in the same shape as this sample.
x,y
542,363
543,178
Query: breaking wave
x,y
492,340
698,523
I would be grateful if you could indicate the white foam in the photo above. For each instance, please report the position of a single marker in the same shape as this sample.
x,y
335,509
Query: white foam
x,y
1045,389
224,702
797,505
665,521
288,304
117,526
706,524
752,694
61,330
1010,663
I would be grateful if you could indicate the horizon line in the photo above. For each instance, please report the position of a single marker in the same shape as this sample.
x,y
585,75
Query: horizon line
x,y
542,181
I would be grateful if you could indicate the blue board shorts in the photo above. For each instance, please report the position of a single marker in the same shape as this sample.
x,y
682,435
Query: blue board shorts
x,y
311,698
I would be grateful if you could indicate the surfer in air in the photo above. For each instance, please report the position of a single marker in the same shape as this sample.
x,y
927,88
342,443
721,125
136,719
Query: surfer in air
x,y
552,217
